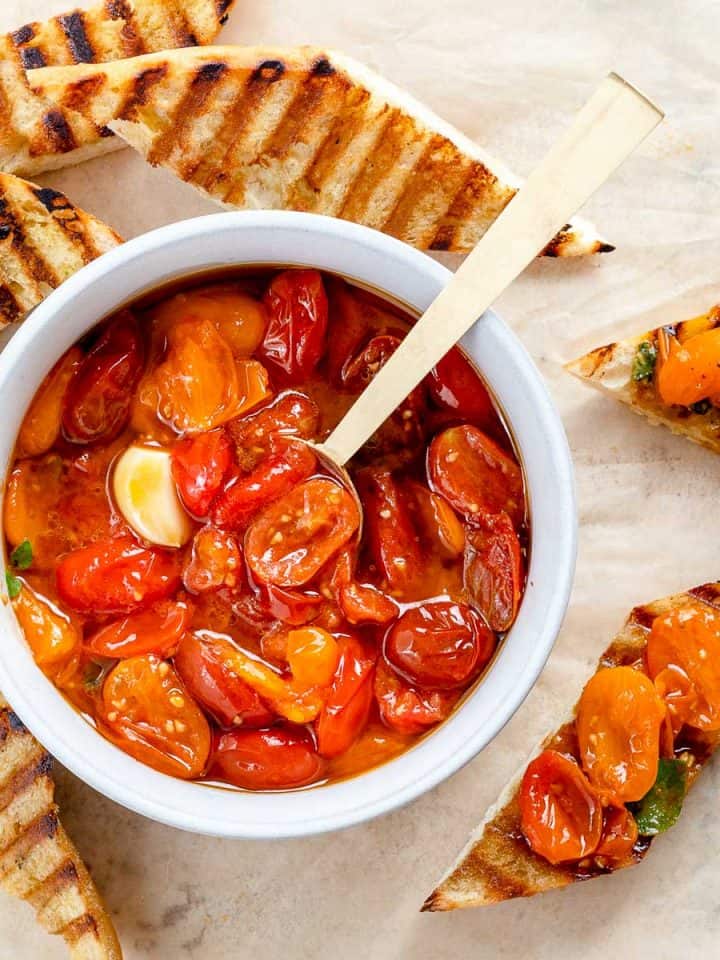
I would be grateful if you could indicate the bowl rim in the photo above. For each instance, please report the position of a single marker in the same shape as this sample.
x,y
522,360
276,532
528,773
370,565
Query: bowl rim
x,y
283,238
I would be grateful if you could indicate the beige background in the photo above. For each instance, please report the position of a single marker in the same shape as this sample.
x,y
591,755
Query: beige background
x,y
510,74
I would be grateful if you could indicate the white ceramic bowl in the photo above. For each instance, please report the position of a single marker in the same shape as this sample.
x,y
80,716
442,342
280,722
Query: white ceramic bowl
x,y
301,239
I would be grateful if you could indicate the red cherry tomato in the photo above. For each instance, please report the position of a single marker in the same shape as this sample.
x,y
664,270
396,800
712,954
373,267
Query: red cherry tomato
x,y
360,369
276,759
560,813
346,710
455,385
619,835
475,475
116,576
294,537
215,561
98,399
406,709
359,602
294,339
293,607
350,327
493,570
440,527
392,538
157,630
289,462
203,661
199,466
291,414
148,713
439,645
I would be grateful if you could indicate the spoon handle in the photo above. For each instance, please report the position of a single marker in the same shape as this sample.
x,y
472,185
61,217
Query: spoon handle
x,y
615,120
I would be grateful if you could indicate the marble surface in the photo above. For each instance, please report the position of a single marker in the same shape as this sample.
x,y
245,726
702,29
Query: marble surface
x,y
511,75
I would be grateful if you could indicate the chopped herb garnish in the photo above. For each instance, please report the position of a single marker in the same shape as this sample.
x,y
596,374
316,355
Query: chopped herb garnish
x,y
660,807
14,585
22,555
644,361
702,406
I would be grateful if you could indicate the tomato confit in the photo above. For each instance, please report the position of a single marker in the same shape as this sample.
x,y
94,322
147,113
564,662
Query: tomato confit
x,y
192,579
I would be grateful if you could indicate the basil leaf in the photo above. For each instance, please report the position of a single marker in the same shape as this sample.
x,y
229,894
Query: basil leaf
x,y
22,555
14,586
644,361
660,807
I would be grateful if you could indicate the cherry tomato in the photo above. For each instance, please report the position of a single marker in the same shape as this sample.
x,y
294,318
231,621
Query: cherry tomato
x,y
350,328
97,401
199,466
560,812
312,655
360,370
41,426
148,713
239,318
391,536
289,462
292,539
619,835
690,370
292,606
346,710
440,527
618,723
276,759
51,634
294,339
290,414
408,710
455,385
440,645
156,630
33,489
493,570
215,561
475,475
116,576
359,602
204,663
683,651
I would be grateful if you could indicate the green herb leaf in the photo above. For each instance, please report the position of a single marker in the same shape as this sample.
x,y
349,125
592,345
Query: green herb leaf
x,y
644,361
14,586
660,807
22,555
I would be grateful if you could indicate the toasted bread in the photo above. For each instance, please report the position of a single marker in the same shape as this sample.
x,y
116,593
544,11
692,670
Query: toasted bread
x,y
301,129
38,135
610,368
497,863
38,862
44,239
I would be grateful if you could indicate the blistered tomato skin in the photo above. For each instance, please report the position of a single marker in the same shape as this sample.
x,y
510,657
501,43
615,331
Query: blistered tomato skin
x,y
294,339
619,835
290,414
347,707
157,630
199,466
406,709
560,812
690,371
275,759
618,724
454,386
493,570
214,561
51,634
239,318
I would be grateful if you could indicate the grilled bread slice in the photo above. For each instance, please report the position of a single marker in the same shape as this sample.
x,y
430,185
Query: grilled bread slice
x,y
626,370
301,129
38,862
497,863
38,135
44,239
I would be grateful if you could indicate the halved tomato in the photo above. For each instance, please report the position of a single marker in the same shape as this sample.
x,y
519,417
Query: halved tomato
x,y
157,630
493,570
290,414
277,759
347,707
406,709
199,466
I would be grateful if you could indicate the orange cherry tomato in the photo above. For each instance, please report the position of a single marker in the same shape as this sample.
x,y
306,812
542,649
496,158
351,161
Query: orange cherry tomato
x,y
493,570
294,339
156,630
408,710
239,318
116,576
97,400
288,462
439,645
347,707
392,539
33,489
215,561
455,385
294,537
681,699
560,812
618,725
683,652
359,602
312,655
690,371
276,759
475,475
290,414
50,633
204,663
199,466
439,524
619,835
41,426
148,713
